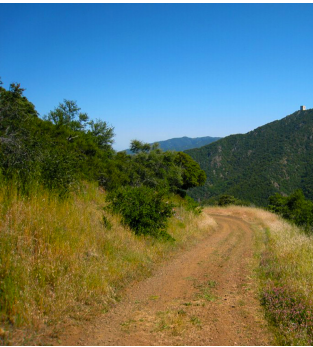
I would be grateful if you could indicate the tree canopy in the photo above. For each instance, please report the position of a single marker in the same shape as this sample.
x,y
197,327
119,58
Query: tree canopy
x,y
66,146
56,151
150,166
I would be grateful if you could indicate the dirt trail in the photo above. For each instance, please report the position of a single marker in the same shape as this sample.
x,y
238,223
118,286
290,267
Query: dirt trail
x,y
205,296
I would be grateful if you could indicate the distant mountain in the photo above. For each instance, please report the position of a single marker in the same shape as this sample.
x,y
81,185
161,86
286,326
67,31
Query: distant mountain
x,y
277,157
184,143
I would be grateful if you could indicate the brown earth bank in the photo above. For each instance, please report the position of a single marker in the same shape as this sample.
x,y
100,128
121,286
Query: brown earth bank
x,y
205,296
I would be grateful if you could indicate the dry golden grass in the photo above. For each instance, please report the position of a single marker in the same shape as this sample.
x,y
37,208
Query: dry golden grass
x,y
291,247
293,250
59,261
285,254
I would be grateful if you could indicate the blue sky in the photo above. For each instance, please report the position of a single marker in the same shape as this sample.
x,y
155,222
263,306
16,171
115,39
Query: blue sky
x,y
158,71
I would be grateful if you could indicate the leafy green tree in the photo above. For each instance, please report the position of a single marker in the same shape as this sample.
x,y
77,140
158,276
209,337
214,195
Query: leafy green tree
x,y
16,112
67,114
117,172
19,149
192,174
91,141
102,134
56,151
150,166
137,146
78,126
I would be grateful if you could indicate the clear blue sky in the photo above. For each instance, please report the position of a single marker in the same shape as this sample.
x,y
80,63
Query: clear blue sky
x,y
158,71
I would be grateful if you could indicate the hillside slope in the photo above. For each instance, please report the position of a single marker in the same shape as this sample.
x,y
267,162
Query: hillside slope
x,y
277,157
184,143
62,262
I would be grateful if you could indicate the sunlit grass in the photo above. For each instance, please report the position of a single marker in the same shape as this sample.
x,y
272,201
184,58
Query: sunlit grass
x,y
60,260
287,281
285,254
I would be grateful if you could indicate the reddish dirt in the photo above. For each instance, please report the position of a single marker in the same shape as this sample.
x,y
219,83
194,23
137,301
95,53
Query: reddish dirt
x,y
205,296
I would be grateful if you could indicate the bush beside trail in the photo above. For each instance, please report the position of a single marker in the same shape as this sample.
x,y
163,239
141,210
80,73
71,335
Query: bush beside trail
x,y
295,208
143,209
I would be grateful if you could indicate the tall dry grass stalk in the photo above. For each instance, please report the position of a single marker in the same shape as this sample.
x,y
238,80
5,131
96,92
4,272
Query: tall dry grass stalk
x,y
59,260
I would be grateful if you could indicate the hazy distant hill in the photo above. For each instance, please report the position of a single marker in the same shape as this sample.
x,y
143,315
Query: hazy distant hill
x,y
184,143
277,157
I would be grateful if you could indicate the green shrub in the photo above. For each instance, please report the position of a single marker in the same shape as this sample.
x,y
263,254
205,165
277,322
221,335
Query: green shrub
x,y
294,208
192,205
59,171
142,209
225,200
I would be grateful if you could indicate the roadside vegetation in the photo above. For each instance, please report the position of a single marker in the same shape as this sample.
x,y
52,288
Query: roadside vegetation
x,y
60,261
287,280
286,262
286,269
224,200
79,221
295,208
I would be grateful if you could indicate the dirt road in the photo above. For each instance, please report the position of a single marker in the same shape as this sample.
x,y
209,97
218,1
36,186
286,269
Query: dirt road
x,y
205,296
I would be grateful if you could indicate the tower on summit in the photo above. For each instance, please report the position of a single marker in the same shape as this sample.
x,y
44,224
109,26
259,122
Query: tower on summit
x,y
302,108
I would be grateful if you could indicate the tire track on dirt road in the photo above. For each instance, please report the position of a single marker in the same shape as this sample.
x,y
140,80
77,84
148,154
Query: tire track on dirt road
x,y
205,296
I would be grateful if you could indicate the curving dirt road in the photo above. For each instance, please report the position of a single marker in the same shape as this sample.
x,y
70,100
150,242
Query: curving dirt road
x,y
205,296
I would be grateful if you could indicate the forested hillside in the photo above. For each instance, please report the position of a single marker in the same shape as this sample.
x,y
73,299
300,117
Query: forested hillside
x,y
274,158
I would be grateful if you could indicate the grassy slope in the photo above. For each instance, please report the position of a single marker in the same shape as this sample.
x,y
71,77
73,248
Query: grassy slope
x,y
59,261
287,280
285,258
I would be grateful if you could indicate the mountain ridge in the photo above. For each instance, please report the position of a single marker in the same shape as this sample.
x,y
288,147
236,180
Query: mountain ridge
x,y
274,158
183,143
